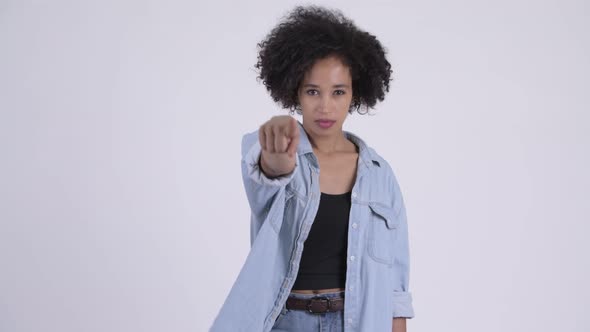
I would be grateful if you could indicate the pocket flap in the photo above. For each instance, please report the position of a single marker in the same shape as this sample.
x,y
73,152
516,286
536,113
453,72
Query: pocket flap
x,y
389,214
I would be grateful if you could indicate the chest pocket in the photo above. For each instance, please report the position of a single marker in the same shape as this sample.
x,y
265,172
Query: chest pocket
x,y
382,232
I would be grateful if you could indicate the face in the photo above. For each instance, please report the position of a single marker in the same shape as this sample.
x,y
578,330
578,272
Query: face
x,y
325,93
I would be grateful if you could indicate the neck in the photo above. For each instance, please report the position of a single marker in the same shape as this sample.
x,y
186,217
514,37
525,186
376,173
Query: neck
x,y
328,144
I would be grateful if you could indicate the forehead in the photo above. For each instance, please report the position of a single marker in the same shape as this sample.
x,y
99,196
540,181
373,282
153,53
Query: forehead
x,y
330,70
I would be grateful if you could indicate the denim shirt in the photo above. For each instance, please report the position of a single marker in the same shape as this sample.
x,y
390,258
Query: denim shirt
x,y
282,212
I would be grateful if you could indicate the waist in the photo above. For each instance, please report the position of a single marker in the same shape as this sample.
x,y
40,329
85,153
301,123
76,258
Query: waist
x,y
326,301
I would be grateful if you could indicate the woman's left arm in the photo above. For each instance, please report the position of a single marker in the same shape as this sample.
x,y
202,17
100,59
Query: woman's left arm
x,y
399,325
402,297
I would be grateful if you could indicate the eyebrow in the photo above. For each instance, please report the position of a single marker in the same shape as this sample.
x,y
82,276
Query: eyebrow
x,y
334,86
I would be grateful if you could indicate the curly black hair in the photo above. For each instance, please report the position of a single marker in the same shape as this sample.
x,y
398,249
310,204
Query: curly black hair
x,y
310,33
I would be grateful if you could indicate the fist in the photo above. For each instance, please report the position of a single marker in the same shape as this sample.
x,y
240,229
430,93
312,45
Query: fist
x,y
279,135
279,138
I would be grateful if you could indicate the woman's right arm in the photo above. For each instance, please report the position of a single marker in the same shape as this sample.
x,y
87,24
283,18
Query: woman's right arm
x,y
268,163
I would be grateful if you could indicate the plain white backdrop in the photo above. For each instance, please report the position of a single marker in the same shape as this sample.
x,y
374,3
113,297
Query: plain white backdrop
x,y
121,201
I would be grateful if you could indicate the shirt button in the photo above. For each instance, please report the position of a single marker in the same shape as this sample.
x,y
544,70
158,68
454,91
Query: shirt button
x,y
351,258
353,194
350,321
351,287
353,225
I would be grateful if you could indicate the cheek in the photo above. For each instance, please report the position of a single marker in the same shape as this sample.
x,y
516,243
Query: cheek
x,y
307,103
347,99
305,98
344,102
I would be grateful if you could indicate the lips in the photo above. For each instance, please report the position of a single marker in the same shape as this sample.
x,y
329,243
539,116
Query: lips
x,y
325,123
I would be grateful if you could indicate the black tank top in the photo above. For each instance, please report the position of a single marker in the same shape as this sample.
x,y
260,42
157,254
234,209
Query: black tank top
x,y
323,260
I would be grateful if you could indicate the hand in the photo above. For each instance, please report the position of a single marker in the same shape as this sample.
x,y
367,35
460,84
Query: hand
x,y
279,139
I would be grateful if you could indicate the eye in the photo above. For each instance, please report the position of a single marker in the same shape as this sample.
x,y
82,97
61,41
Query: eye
x,y
340,92
311,92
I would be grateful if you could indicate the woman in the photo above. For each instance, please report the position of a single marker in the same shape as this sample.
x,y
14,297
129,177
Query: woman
x,y
304,256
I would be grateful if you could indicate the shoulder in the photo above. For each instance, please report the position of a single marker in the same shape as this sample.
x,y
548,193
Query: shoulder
x,y
372,154
377,157
383,167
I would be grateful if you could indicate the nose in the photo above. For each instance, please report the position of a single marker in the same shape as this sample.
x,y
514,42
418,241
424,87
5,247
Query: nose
x,y
324,106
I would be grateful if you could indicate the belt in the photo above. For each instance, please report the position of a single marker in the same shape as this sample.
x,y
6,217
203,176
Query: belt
x,y
317,304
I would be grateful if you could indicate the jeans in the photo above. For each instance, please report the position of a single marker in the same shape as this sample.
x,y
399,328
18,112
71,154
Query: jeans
x,y
291,320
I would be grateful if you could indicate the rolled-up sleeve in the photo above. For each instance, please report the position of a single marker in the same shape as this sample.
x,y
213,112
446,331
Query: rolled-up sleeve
x,y
402,297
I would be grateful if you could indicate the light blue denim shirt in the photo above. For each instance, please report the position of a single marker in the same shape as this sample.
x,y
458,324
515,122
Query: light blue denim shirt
x,y
282,212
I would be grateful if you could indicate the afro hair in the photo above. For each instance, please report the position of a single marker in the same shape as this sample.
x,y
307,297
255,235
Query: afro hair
x,y
310,33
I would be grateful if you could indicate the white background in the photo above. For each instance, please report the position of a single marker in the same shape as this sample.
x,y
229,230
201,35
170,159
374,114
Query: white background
x,y
121,201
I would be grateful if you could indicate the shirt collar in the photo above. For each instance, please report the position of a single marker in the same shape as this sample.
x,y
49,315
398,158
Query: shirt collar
x,y
367,155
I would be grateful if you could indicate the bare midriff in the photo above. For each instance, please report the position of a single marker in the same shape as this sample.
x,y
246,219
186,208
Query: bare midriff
x,y
316,291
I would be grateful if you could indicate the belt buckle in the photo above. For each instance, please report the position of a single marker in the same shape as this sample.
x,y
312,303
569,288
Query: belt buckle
x,y
320,298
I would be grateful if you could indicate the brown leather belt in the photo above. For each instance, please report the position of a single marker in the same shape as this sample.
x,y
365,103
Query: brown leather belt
x,y
316,305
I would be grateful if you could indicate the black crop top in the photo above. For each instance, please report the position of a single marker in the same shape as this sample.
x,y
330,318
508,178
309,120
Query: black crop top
x,y
323,260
